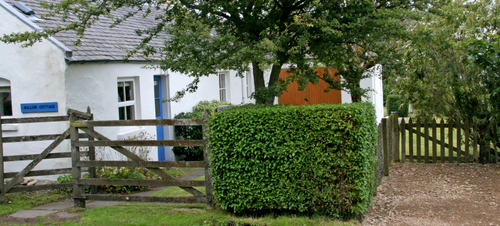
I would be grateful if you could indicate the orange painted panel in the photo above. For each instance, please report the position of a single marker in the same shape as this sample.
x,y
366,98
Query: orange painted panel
x,y
313,94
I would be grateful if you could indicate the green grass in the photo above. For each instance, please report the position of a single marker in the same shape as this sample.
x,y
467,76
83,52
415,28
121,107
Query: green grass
x,y
188,214
176,191
22,201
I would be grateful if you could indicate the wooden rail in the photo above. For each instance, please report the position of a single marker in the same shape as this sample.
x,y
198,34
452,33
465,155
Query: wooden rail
x,y
36,158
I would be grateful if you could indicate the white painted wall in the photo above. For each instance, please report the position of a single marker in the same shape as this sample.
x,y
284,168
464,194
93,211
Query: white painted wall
x,y
95,85
375,96
36,74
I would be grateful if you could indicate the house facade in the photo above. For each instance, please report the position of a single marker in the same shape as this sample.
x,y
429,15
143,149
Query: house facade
x,y
94,74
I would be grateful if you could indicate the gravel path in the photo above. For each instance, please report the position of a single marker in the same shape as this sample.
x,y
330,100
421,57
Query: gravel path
x,y
437,194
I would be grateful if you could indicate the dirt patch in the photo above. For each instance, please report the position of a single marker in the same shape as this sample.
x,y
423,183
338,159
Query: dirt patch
x,y
437,194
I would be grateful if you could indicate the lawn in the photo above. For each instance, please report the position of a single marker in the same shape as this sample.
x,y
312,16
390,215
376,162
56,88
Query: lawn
x,y
160,213
21,201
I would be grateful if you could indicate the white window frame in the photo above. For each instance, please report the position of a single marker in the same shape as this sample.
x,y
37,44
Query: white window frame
x,y
248,81
223,86
127,103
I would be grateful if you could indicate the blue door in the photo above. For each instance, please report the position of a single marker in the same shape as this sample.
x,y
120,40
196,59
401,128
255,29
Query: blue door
x,y
159,115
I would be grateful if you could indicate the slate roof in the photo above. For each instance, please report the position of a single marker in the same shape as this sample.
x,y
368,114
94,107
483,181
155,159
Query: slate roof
x,y
100,43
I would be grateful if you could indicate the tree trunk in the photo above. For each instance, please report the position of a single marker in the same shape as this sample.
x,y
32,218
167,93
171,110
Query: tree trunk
x,y
258,81
260,84
355,94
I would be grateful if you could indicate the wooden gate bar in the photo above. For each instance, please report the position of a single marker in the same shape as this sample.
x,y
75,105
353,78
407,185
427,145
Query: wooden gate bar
x,y
49,156
34,173
124,198
178,143
37,160
141,182
146,164
141,122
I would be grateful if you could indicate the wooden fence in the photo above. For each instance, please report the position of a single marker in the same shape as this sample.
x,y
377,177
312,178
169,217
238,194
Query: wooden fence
x,y
432,142
157,167
83,121
35,158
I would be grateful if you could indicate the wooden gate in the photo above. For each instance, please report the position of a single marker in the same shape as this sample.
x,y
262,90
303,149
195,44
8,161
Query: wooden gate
x,y
97,139
407,140
36,158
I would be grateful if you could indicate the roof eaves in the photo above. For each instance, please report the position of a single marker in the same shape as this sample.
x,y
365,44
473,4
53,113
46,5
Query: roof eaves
x,y
67,51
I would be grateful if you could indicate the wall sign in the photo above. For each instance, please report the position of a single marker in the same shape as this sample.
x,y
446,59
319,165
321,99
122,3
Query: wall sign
x,y
39,107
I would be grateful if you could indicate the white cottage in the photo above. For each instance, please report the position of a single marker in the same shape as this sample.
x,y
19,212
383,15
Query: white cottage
x,y
62,75
59,74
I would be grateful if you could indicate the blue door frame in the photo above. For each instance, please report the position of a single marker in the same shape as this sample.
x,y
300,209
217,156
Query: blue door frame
x,y
159,115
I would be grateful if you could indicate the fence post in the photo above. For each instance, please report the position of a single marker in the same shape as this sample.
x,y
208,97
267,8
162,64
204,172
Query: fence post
x,y
386,146
394,125
206,157
78,199
92,170
2,191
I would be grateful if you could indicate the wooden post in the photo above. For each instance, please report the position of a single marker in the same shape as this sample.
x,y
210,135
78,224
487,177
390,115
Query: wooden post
x,y
403,140
467,141
395,137
2,191
426,140
474,145
419,140
459,141
92,170
410,139
79,201
450,141
434,141
442,141
386,146
206,157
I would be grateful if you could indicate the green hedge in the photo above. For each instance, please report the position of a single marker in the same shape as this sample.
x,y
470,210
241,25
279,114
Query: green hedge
x,y
393,105
309,159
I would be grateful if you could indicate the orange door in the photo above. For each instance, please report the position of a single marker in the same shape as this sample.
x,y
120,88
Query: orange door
x,y
313,94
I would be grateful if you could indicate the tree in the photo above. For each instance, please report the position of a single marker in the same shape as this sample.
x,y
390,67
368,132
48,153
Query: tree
x,y
206,36
452,67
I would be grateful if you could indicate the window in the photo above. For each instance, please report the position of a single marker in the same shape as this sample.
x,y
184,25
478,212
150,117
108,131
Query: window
x,y
6,106
247,79
126,100
222,86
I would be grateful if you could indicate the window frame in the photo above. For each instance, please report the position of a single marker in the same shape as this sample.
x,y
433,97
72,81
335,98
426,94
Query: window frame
x,y
127,103
223,86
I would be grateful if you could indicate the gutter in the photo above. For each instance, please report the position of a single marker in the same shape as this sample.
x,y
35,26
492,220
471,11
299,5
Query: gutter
x,y
72,61
68,53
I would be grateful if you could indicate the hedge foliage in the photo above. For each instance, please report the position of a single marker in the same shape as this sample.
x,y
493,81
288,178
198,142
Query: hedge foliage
x,y
309,159
193,132
394,105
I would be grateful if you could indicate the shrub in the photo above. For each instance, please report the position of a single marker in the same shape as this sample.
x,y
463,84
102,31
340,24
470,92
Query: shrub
x,y
394,105
309,159
193,132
